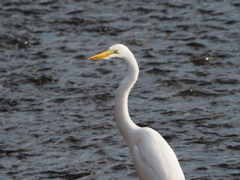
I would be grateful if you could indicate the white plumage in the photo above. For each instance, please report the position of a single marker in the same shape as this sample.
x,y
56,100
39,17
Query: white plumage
x,y
153,158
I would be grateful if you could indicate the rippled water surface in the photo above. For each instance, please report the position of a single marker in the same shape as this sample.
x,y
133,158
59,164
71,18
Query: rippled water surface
x,y
56,107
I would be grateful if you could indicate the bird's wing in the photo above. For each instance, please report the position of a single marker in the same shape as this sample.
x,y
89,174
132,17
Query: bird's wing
x,y
153,158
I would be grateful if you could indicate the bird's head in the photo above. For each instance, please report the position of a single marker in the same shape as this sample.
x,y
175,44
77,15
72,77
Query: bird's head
x,y
116,51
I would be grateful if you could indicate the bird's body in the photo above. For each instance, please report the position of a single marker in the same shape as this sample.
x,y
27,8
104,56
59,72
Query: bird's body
x,y
153,158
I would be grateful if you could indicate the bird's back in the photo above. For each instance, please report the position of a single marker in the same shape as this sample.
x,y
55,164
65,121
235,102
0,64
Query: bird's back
x,y
153,158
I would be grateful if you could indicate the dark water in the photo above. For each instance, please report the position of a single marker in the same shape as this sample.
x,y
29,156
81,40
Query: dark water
x,y
56,108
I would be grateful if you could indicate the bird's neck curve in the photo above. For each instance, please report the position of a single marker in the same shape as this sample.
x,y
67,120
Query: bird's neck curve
x,y
125,125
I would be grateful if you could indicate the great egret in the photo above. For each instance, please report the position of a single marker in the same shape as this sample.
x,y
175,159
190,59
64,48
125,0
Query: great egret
x,y
153,158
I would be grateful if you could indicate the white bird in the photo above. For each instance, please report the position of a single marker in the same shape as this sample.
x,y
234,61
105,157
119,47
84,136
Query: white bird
x,y
153,158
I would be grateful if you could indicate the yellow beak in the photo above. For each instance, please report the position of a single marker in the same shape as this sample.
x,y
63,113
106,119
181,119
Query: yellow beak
x,y
101,55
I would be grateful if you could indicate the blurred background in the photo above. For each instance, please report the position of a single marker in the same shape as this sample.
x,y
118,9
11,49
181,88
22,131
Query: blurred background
x,y
56,107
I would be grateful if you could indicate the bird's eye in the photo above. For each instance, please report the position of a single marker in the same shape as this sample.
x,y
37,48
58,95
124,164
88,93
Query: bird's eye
x,y
115,51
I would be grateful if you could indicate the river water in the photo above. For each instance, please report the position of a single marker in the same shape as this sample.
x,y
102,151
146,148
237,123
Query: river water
x,y
56,107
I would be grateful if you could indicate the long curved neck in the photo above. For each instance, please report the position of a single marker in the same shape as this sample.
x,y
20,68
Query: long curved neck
x,y
125,125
